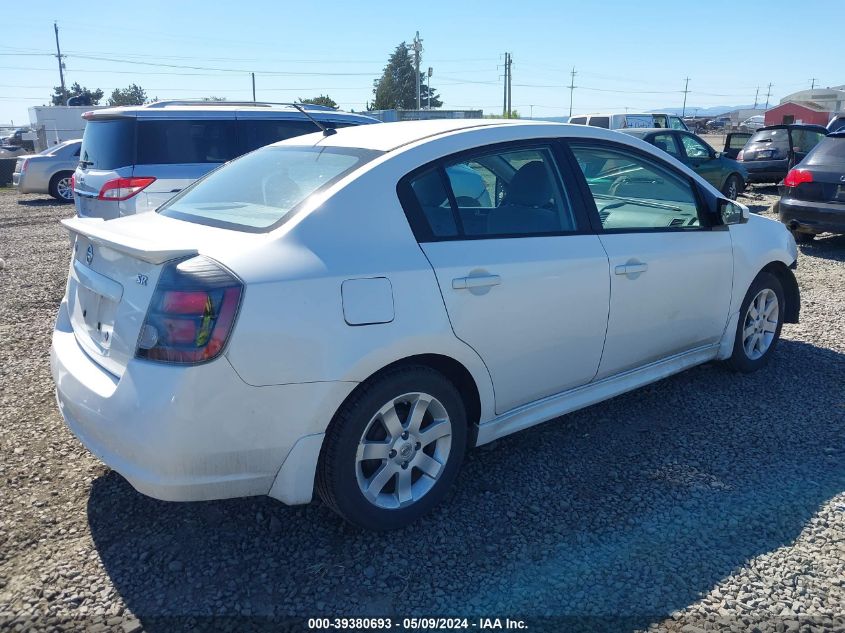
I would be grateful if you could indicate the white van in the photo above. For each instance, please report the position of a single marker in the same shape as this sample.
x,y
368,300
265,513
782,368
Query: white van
x,y
630,119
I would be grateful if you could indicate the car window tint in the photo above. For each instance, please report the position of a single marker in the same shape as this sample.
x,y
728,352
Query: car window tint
x,y
433,200
509,193
737,141
831,151
632,192
600,121
176,142
694,148
258,133
108,144
578,120
676,123
666,143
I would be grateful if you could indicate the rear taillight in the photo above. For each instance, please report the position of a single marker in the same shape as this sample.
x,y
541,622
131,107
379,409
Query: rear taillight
x,y
124,188
796,177
191,314
73,183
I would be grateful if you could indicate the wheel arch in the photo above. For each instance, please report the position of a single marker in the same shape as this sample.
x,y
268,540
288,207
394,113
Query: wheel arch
x,y
790,289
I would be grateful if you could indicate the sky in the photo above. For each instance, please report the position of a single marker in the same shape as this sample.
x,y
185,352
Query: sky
x,y
634,54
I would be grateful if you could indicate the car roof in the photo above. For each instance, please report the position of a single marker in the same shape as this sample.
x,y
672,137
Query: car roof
x,y
162,109
793,126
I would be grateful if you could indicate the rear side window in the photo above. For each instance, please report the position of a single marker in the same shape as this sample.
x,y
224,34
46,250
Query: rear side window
x,y
174,142
578,120
600,121
258,133
509,193
259,191
108,144
831,151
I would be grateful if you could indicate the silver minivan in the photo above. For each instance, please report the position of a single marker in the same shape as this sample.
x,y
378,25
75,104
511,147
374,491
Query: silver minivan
x,y
135,158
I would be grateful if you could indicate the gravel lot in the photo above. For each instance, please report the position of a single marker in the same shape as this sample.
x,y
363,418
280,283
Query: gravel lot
x,y
708,500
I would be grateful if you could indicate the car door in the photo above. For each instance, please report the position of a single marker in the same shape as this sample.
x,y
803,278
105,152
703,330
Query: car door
x,y
524,280
701,158
734,142
671,273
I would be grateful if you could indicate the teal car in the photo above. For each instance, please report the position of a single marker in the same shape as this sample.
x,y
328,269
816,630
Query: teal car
x,y
724,173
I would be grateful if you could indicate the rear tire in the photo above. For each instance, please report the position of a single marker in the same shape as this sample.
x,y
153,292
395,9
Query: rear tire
x,y
393,449
760,322
732,187
60,187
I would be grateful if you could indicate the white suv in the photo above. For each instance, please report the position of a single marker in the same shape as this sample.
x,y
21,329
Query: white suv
x,y
629,120
331,311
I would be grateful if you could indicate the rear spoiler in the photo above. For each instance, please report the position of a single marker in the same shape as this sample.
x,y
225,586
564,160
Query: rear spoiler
x,y
99,232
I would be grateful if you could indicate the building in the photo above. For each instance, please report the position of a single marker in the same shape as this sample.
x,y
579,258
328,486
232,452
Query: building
x,y
390,116
831,99
798,112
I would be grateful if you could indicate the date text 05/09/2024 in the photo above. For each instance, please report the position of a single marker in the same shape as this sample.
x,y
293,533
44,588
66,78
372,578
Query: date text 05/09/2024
x,y
416,624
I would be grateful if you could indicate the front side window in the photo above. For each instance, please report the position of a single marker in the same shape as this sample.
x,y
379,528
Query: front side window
x,y
634,193
694,148
507,193
259,191
175,142
666,142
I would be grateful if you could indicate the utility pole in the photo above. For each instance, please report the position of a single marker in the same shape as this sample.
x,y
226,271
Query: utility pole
x,y
531,116
686,90
428,92
253,87
813,83
768,94
756,95
510,77
417,51
505,89
59,57
571,89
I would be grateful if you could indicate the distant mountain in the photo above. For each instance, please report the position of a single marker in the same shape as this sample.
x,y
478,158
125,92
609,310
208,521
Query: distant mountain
x,y
711,111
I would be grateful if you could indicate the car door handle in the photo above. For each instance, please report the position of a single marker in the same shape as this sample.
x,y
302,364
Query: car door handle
x,y
632,268
476,281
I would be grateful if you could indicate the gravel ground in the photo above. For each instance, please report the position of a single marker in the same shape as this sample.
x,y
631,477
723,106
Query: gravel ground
x,y
708,500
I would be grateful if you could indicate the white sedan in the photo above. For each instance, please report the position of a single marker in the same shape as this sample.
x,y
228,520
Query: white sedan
x,y
335,312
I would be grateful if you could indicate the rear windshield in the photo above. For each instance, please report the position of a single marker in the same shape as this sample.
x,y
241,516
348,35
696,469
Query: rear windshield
x,y
778,136
107,144
258,191
831,151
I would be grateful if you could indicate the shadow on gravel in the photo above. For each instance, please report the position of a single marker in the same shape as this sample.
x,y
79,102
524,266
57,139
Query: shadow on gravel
x,y
42,202
830,247
629,510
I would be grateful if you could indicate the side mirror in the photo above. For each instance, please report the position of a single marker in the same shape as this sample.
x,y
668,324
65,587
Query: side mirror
x,y
732,212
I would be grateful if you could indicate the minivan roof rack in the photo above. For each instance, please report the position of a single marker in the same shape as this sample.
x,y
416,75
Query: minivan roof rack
x,y
260,104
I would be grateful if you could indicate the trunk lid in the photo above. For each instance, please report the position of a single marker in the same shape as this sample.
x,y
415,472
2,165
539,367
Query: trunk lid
x,y
112,278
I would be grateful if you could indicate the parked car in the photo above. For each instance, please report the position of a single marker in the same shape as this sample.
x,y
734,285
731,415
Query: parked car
x,y
136,158
752,124
719,123
724,173
629,120
16,139
327,310
812,196
770,152
50,171
836,123
11,151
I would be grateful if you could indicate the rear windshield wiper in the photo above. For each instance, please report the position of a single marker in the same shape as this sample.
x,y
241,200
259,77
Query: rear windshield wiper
x,y
86,163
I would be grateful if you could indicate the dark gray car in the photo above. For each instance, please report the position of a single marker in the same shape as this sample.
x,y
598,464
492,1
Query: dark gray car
x,y
773,150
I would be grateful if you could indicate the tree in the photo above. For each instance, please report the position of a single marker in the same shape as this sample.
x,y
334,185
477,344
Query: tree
x,y
322,100
131,95
397,89
80,93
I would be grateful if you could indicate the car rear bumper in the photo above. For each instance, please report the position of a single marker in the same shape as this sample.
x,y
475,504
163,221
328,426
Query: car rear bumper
x,y
24,184
812,217
191,433
765,170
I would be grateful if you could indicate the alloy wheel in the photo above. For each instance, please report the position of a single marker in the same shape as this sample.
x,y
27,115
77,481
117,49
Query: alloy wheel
x,y
761,323
64,189
403,450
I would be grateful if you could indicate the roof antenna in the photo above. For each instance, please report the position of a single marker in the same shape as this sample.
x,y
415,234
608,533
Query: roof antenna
x,y
327,131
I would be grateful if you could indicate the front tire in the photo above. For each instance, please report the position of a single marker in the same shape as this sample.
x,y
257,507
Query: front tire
x,y
760,322
60,187
393,449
